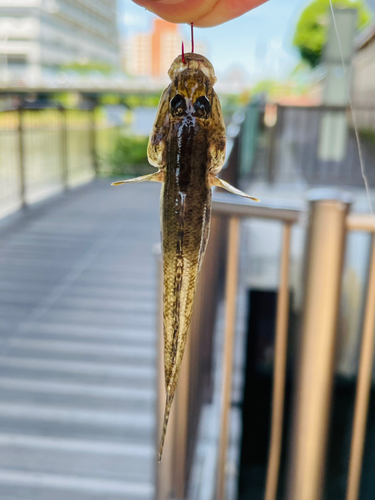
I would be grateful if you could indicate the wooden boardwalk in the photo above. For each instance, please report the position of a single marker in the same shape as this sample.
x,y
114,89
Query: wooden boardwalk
x,y
77,362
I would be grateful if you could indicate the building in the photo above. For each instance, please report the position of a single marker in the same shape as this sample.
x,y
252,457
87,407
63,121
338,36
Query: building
x,y
166,42
137,55
151,54
35,34
364,69
364,65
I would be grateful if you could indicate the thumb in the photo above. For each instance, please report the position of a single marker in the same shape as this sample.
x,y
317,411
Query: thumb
x,y
203,13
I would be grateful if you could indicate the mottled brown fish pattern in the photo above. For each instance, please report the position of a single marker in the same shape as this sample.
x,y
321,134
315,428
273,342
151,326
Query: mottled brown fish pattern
x,y
187,145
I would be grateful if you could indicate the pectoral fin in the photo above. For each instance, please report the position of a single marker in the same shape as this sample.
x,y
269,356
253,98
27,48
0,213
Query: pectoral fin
x,y
215,181
156,177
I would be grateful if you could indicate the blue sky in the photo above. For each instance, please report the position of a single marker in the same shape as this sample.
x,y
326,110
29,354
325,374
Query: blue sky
x,y
259,41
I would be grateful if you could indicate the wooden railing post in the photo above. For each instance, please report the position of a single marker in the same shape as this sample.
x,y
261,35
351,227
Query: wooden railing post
x,y
279,370
171,472
323,271
231,279
365,371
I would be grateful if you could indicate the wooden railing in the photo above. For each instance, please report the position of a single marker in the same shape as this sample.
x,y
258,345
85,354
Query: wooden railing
x,y
329,223
173,473
236,209
195,382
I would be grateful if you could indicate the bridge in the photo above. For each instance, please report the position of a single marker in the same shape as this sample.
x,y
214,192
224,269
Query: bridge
x,y
78,374
77,366
90,86
99,84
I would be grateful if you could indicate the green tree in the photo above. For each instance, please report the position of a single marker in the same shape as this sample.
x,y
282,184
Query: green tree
x,y
311,30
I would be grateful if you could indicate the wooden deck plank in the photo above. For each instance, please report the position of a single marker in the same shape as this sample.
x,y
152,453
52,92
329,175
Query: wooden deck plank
x,y
77,322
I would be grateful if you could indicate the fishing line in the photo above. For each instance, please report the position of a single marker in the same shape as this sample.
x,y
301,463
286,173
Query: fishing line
x,y
360,153
192,43
183,53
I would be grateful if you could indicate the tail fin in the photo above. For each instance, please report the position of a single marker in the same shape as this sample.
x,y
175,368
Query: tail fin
x,y
167,411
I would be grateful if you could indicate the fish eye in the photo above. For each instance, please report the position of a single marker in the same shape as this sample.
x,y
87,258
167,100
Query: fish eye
x,y
178,105
202,107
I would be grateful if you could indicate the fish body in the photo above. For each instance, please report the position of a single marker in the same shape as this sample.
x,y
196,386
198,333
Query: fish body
x,y
185,221
187,145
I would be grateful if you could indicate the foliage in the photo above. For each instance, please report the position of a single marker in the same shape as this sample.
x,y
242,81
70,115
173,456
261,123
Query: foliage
x,y
129,154
230,103
85,68
263,87
109,99
131,100
368,135
311,30
68,99
141,100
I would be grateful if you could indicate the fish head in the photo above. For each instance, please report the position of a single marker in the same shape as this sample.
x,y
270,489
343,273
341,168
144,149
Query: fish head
x,y
191,87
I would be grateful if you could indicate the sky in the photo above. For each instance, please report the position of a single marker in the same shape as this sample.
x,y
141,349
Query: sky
x,y
260,42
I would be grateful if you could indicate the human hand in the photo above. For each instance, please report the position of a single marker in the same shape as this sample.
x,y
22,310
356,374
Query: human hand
x,y
203,13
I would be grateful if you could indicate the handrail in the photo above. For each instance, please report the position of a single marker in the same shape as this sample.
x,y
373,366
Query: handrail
x,y
227,204
67,160
232,207
360,222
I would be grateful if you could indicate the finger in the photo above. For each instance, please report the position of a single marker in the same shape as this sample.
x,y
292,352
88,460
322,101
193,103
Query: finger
x,y
225,10
178,11
202,13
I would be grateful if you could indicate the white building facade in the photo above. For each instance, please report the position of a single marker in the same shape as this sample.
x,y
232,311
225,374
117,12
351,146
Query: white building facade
x,y
137,55
37,34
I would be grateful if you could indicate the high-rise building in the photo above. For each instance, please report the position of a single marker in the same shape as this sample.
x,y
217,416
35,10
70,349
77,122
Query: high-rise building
x,y
48,33
151,54
137,55
166,45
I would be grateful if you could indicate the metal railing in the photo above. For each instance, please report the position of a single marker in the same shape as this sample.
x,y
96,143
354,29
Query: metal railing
x,y
43,151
